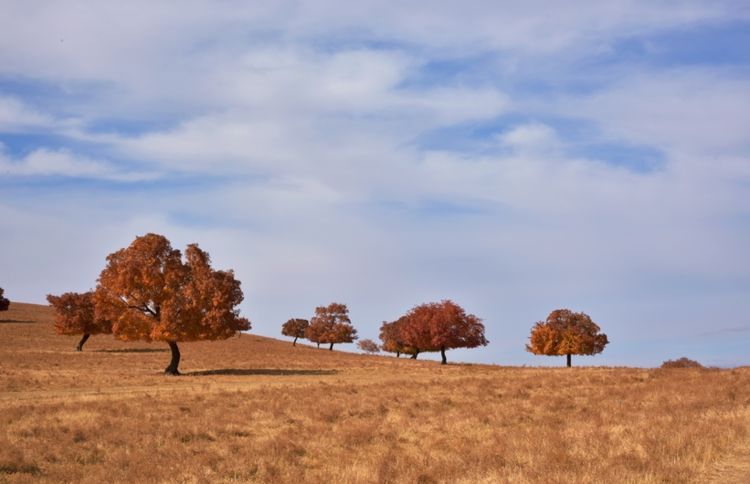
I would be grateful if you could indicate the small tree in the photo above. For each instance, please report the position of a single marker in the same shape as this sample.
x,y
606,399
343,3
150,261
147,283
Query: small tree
x,y
295,328
369,346
150,294
75,314
4,302
566,333
331,324
392,341
442,326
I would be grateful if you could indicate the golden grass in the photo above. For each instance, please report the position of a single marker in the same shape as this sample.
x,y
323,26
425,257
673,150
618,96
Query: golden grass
x,y
258,409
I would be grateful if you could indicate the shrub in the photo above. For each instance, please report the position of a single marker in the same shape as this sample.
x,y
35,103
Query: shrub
x,y
681,363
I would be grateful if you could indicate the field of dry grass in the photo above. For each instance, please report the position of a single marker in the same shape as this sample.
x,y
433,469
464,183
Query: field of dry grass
x,y
258,409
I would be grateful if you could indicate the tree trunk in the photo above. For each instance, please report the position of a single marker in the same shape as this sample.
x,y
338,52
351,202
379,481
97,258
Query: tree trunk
x,y
414,356
442,353
172,368
318,345
569,361
330,348
295,341
83,340
398,354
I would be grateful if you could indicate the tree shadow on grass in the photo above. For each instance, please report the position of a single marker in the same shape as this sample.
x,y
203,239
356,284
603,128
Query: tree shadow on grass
x,y
260,371
136,350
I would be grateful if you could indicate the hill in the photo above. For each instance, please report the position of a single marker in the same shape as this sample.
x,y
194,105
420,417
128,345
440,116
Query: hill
x,y
258,409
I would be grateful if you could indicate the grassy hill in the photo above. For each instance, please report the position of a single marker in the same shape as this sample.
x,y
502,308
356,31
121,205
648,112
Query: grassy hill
x,y
257,409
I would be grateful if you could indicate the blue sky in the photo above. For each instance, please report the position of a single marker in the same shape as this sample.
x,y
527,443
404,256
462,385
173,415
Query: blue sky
x,y
515,158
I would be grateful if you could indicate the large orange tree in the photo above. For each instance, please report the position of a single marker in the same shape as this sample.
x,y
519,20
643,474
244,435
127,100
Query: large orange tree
x,y
331,324
440,327
150,293
566,333
75,313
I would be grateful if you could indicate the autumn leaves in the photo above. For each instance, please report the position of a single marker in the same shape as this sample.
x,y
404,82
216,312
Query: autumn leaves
x,y
566,333
151,292
433,327
330,325
148,292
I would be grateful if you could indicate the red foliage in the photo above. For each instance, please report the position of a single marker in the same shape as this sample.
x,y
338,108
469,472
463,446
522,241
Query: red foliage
x,y
368,346
331,324
439,327
295,328
392,340
566,333
75,314
4,303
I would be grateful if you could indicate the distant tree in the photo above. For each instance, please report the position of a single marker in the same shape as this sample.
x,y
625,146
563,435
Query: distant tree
x,y
150,294
75,313
392,341
681,363
440,327
4,302
369,346
331,324
295,328
566,333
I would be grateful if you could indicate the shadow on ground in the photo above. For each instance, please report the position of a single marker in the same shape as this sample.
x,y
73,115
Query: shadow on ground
x,y
135,350
16,321
260,371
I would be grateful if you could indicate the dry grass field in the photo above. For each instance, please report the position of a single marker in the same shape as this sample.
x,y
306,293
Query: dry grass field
x,y
258,409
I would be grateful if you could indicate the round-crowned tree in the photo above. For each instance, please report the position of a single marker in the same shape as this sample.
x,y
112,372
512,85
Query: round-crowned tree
x,y
331,324
4,302
368,346
566,333
150,293
295,328
392,341
440,327
75,313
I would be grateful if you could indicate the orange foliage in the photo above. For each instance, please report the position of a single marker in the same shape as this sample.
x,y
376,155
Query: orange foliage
x,y
368,346
295,328
4,302
150,294
566,333
392,341
441,326
75,314
331,324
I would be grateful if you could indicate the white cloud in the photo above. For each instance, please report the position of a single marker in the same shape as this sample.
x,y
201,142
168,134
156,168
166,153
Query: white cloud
x,y
45,162
15,116
679,110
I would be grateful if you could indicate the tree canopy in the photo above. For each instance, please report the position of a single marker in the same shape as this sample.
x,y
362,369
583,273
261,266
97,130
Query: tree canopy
x,y
442,326
436,326
368,346
295,328
331,324
393,341
75,313
4,302
150,294
566,333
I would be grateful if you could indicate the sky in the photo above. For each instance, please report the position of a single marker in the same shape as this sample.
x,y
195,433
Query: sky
x,y
515,157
